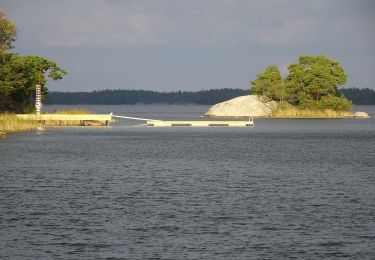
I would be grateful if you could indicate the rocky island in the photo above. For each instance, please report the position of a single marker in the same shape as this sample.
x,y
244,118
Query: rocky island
x,y
310,90
255,106
243,106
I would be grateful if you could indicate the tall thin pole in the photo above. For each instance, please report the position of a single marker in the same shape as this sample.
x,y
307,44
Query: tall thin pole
x,y
282,90
38,102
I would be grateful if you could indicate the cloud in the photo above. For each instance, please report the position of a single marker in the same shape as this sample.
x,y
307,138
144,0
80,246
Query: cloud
x,y
291,32
103,25
130,23
212,41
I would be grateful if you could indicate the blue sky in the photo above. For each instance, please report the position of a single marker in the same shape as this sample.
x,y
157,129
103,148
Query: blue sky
x,y
191,45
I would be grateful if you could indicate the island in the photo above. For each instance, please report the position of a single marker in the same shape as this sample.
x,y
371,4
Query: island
x,y
310,90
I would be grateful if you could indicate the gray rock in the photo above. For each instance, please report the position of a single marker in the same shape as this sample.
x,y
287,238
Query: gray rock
x,y
361,115
244,106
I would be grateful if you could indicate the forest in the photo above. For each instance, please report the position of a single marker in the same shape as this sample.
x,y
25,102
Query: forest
x,y
203,97
364,96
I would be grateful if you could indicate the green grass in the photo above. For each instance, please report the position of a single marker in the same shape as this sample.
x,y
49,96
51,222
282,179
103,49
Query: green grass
x,y
10,123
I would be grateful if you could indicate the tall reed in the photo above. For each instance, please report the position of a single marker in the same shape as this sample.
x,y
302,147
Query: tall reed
x,y
12,123
293,112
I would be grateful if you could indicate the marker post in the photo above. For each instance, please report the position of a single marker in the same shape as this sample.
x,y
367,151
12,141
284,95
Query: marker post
x,y
38,102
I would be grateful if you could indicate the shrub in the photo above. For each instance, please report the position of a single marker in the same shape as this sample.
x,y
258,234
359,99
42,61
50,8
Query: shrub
x,y
335,103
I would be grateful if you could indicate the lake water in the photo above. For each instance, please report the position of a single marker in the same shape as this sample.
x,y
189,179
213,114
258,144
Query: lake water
x,y
283,189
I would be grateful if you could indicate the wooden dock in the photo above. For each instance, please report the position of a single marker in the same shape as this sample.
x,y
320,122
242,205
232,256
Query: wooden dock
x,y
100,119
165,123
191,123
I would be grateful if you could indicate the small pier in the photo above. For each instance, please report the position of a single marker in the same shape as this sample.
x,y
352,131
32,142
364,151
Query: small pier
x,y
191,123
165,123
106,119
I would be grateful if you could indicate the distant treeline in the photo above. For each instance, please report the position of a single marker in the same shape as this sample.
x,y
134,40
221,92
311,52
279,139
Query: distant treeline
x,y
131,97
364,96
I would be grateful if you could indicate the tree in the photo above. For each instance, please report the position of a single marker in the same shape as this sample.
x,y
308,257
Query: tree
x,y
268,84
335,103
18,78
363,96
7,33
312,78
20,74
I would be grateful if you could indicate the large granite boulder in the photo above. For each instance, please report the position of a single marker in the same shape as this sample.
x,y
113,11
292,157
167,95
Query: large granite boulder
x,y
244,106
361,115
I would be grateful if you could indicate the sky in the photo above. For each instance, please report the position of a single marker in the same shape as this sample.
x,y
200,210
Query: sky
x,y
168,45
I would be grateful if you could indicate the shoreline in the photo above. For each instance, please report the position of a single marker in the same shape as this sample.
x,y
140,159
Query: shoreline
x,y
5,133
13,123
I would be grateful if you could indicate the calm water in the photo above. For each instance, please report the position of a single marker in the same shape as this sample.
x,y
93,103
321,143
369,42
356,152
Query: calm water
x,y
284,189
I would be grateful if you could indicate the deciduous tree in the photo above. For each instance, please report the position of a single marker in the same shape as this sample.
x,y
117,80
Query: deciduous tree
x,y
7,33
20,74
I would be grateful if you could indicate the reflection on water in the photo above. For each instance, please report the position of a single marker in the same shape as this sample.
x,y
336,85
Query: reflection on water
x,y
283,189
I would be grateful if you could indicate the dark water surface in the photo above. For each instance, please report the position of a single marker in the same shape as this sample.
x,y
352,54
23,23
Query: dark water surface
x,y
284,189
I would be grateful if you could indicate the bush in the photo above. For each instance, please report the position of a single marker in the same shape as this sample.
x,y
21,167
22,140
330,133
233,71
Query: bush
x,y
335,103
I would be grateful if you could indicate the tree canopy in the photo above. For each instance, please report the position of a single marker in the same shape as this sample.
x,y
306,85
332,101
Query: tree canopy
x,y
268,83
312,82
20,74
312,78
7,33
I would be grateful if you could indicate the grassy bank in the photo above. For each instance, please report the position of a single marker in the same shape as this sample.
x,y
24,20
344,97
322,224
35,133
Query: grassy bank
x,y
11,123
289,111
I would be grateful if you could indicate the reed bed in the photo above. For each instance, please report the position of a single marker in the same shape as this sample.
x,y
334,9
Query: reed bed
x,y
11,123
292,112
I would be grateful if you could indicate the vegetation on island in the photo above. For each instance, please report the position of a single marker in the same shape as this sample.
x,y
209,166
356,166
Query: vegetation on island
x,y
9,122
20,74
309,90
18,78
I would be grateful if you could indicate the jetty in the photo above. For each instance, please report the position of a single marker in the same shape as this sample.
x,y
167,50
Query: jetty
x,y
167,123
191,123
106,119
